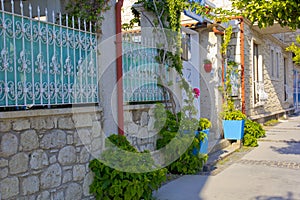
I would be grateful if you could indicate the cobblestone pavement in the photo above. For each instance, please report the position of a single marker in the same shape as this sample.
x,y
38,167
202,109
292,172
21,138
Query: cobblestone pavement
x,y
280,164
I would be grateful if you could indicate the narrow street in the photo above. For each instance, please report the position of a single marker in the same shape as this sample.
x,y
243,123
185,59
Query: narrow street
x,y
270,171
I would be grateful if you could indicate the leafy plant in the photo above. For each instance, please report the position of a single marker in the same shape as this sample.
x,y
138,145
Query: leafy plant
x,y
252,131
234,115
191,161
110,183
271,122
181,131
204,123
206,61
90,11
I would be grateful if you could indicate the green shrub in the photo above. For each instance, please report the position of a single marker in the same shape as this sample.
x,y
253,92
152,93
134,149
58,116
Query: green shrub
x,y
234,115
110,183
191,161
181,132
204,123
271,122
252,132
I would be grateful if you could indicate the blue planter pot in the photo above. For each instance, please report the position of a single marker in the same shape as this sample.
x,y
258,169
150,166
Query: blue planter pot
x,y
233,129
203,144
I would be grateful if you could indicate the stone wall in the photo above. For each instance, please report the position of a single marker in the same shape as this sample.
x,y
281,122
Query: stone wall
x,y
44,154
274,87
139,126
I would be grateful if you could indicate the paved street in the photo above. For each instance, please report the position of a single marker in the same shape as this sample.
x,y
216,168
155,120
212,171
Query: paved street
x,y
268,172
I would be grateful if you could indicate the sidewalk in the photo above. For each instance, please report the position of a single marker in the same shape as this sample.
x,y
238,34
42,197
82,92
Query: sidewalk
x,y
268,172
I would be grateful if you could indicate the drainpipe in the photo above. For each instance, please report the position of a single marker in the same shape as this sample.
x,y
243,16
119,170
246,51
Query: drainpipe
x,y
242,49
118,8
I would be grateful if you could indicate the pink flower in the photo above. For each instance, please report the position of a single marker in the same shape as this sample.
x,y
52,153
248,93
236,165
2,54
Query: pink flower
x,y
197,92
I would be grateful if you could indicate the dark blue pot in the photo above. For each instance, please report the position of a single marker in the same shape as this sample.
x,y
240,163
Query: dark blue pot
x,y
233,129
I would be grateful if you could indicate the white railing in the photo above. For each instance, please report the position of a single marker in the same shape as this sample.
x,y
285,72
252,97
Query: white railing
x,y
43,63
141,69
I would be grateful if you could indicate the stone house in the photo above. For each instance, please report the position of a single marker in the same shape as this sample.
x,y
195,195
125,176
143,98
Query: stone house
x,y
264,87
262,90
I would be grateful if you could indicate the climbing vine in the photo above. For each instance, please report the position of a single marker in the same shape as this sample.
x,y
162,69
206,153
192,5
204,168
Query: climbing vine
x,y
90,11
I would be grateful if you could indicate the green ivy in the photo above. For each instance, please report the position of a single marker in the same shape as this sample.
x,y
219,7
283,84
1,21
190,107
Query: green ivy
x,y
109,183
90,11
253,131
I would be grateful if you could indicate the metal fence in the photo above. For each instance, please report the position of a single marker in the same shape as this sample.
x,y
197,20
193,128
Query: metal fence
x,y
43,63
141,70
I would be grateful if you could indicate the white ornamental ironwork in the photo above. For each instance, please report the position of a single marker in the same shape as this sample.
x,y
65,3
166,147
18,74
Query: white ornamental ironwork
x,y
141,70
44,63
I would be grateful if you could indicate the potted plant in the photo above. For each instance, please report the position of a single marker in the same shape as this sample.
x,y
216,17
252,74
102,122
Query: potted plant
x,y
204,125
233,124
207,65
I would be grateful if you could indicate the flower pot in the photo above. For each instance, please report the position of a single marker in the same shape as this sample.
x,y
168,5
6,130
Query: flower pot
x,y
208,67
203,144
233,129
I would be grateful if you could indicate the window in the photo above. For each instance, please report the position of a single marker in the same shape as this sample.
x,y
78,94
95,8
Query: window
x,y
272,63
277,65
275,56
285,79
258,79
186,46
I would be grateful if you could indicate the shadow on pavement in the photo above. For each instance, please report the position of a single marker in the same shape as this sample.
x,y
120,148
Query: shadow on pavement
x,y
292,148
290,196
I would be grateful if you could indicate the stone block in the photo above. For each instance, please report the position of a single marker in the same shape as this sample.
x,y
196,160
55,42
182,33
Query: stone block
x,y
88,179
38,159
44,196
143,133
127,116
30,185
67,176
83,120
67,155
70,139
8,145
73,192
29,140
20,125
51,177
9,187
57,195
3,173
52,159
84,155
96,130
97,144
78,172
3,163
65,123
144,119
18,163
151,124
131,128
5,126
54,139
83,136
38,123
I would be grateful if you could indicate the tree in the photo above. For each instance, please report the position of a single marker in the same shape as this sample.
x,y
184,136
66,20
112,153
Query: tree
x,y
296,50
266,12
